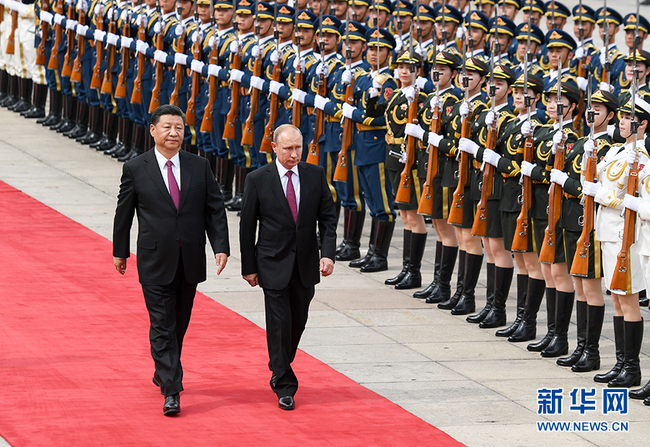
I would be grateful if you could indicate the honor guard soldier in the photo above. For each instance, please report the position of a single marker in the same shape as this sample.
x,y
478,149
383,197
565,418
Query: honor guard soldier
x,y
360,9
424,36
629,26
339,8
609,64
379,12
448,19
485,6
560,46
537,39
505,28
287,52
320,7
15,40
477,24
624,95
31,76
38,74
583,16
511,8
402,20
534,8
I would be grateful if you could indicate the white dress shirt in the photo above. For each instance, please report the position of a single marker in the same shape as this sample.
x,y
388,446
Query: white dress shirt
x,y
295,179
176,168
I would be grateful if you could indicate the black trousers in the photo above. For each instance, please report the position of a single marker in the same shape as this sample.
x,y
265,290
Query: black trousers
x,y
287,311
170,308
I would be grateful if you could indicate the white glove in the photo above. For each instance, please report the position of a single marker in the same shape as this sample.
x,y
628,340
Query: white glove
x,y
414,130
109,12
603,57
559,177
99,9
112,39
58,19
275,57
298,61
256,51
138,21
527,129
179,58
582,83
125,41
346,77
632,203
589,147
398,42
579,53
234,46
491,157
373,92
403,158
464,110
196,36
82,5
348,110
489,118
99,35
257,83
196,66
605,87
460,32
298,95
590,189
179,30
70,24
409,93
557,139
157,28
320,102
236,75
321,69
395,74
630,158
213,70
12,4
141,46
419,50
82,29
160,56
420,82
124,17
434,139
527,168
376,84
275,86
46,16
467,145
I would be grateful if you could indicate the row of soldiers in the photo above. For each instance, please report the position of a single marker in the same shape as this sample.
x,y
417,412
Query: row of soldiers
x,y
412,107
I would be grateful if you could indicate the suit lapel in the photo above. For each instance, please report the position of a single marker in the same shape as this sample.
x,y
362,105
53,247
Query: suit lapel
x,y
186,176
276,187
152,168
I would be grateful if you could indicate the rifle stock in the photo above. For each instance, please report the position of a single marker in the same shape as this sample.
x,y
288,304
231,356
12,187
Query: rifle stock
x,y
45,30
341,172
406,181
547,253
11,43
155,94
67,60
178,73
229,131
196,79
314,147
458,204
107,83
81,43
249,128
426,201
265,147
580,266
96,82
136,95
479,227
520,238
120,90
58,33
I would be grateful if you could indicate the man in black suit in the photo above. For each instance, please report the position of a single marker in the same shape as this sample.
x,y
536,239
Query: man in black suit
x,y
288,199
178,201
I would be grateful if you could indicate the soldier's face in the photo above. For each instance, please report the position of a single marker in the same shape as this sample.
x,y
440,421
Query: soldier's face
x,y
588,28
285,30
356,48
551,107
378,56
446,75
339,9
534,19
557,55
306,36
450,28
265,26
504,43
475,81
361,13
521,49
188,8
167,5
557,24
150,3
380,16
301,4
223,17
478,36
316,6
204,13
629,38
625,125
330,42
245,22
510,11
613,29
426,26
487,9
406,23
406,77
601,114
641,67
502,90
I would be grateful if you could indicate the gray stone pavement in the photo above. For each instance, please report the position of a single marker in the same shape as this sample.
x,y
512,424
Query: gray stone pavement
x,y
480,389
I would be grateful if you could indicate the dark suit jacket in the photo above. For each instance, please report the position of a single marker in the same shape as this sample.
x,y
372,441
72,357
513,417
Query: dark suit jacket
x,y
280,242
165,232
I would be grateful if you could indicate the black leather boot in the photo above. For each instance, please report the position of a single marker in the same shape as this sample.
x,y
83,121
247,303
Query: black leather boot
x,y
406,257
358,263
13,93
590,358
37,110
69,111
497,315
25,102
550,323
235,203
641,393
413,277
631,373
522,287
527,329
110,129
119,145
452,300
424,293
95,119
126,139
137,143
379,260
227,177
467,302
65,114
4,84
559,344
619,341
581,323
81,127
54,114
489,296
442,290
352,228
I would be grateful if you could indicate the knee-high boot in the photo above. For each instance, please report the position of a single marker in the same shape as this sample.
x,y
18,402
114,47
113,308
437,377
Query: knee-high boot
x,y
442,290
227,178
110,132
352,228
379,260
357,263
619,342
4,84
467,302
37,110
551,295
497,315
69,112
489,295
527,329
406,257
581,323
413,277
451,301
522,288
25,102
81,121
631,372
124,145
424,293
559,344
590,358
54,114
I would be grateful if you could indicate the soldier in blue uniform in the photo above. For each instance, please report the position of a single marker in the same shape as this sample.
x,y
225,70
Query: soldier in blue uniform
x,y
612,19
560,47
477,27
379,12
584,51
453,18
537,39
506,30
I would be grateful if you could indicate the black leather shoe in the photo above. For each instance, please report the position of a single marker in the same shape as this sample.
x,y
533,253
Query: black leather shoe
x,y
156,380
641,393
274,381
172,405
286,403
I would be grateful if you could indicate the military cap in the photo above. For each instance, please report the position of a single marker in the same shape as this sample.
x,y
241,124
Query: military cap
x,y
534,82
448,58
222,4
515,3
557,9
380,37
609,14
570,88
426,12
330,24
264,10
478,3
478,65
382,5
359,2
403,7
534,5
307,19
406,58
557,38
203,2
243,6
450,13
630,23
356,30
584,11
476,19
604,97
642,56
503,25
641,107
536,34
503,71
286,14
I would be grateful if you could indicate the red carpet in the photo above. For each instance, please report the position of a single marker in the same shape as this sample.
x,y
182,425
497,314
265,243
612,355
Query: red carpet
x,y
75,367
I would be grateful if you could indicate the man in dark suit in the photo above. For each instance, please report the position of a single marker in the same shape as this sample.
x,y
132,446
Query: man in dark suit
x,y
178,201
288,199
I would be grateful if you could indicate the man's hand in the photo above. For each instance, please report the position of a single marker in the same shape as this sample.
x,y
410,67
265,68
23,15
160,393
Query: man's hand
x,y
120,265
222,260
326,266
251,279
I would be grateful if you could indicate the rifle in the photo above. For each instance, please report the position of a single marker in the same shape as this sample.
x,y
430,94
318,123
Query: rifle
x,y
45,30
96,81
341,172
265,146
120,90
190,116
54,55
67,60
606,73
621,279
107,84
231,118
155,94
81,44
520,238
249,128
136,95
580,266
582,72
296,107
11,43
314,147
547,253
208,115
179,69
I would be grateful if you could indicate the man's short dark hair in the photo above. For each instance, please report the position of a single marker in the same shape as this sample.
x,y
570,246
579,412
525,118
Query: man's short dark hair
x,y
167,109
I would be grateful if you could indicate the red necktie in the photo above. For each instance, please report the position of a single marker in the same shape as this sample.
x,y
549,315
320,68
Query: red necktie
x,y
173,185
291,198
